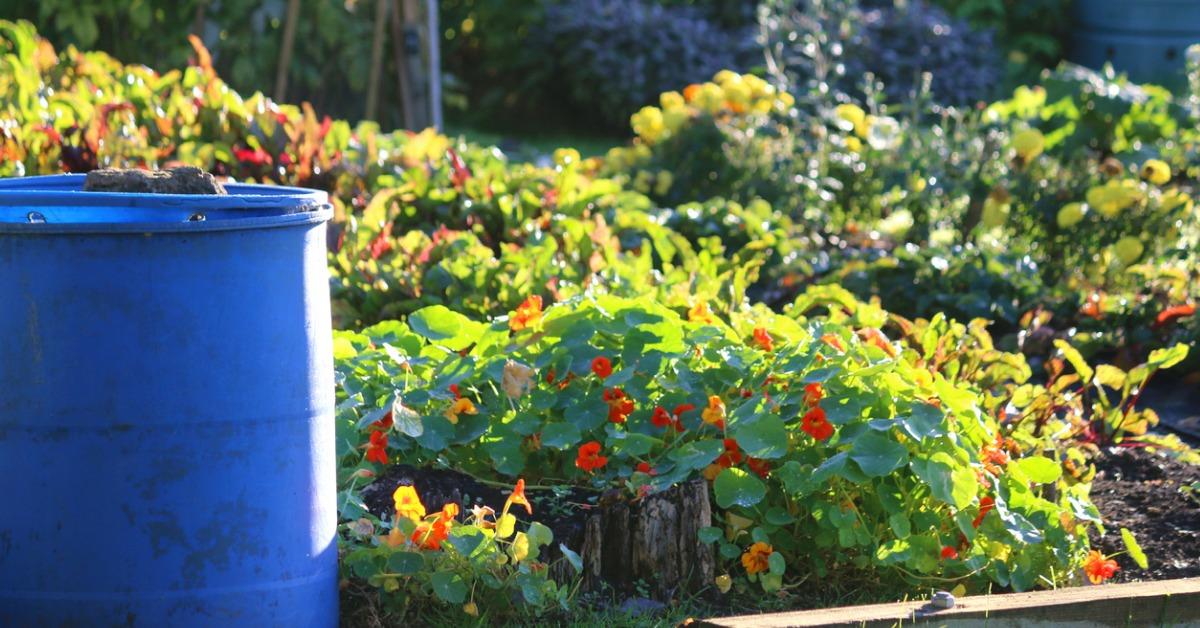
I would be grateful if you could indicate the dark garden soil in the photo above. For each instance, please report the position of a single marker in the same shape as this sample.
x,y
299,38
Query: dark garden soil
x,y
1140,490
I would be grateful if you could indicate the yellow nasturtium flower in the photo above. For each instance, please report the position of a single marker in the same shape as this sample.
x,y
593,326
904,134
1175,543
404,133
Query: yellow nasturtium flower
x,y
856,116
648,124
726,76
674,119
1172,199
854,144
1028,144
671,101
1156,171
1070,215
566,156
1128,249
710,98
1114,196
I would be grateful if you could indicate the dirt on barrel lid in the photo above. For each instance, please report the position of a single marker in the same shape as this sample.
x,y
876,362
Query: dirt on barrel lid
x,y
181,180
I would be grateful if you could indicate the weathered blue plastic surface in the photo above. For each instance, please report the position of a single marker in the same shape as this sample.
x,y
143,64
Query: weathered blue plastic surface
x,y
166,400
1147,39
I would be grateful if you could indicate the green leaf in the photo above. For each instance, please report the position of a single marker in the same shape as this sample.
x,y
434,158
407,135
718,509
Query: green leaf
x,y
1135,550
405,563
736,487
561,435
633,445
900,524
1073,356
776,563
948,481
697,454
797,478
505,526
1166,358
440,324
1110,376
765,438
709,534
572,557
1040,469
777,516
449,586
878,455
539,534
925,421
407,422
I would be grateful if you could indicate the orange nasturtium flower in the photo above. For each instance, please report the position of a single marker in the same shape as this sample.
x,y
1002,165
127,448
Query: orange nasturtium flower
x,y
714,414
993,456
589,458
408,504
462,405
377,448
1172,314
620,406
985,506
875,337
757,558
833,341
763,340
528,314
701,314
430,534
816,425
690,92
1098,568
518,497
602,367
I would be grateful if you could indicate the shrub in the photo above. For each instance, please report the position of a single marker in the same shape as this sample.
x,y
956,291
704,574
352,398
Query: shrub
x,y
612,57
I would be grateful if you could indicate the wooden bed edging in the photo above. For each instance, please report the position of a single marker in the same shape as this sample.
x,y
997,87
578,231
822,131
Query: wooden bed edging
x,y
1162,603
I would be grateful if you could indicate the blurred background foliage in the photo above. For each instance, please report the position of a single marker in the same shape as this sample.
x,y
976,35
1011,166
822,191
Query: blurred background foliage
x,y
548,67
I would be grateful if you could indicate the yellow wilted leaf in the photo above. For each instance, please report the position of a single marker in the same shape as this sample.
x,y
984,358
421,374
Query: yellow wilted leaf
x,y
520,547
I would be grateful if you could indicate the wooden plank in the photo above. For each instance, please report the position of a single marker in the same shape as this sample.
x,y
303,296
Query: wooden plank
x,y
1163,603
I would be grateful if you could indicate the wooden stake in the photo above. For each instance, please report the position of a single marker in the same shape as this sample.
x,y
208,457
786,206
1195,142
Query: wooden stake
x,y
381,11
285,51
400,50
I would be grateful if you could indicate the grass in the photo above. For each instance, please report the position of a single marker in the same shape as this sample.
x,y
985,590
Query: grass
x,y
532,145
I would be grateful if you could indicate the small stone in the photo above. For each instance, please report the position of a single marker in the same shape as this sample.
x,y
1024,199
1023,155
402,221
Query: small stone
x,y
942,599
181,180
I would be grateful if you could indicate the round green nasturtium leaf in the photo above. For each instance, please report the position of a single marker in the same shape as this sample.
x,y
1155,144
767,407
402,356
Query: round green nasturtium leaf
x,y
449,586
765,438
878,455
1040,469
736,487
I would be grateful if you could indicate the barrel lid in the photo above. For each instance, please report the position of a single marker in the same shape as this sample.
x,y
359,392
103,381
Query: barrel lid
x,y
58,204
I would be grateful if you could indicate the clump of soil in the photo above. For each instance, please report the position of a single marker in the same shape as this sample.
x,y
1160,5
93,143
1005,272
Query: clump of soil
x,y
1140,490
182,180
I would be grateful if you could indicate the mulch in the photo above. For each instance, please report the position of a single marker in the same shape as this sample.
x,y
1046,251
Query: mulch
x,y
1140,490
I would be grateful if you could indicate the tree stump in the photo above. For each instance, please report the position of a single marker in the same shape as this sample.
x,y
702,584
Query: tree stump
x,y
182,180
654,541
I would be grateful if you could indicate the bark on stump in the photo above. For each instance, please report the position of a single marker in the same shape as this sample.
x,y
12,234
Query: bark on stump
x,y
655,540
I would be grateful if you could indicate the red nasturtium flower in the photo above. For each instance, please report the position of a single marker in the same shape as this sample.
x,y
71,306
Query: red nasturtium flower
x,y
518,496
645,467
528,314
816,425
949,553
430,534
1098,568
602,367
759,466
1172,314
985,506
714,414
757,558
589,458
383,424
813,393
620,406
763,340
377,448
660,418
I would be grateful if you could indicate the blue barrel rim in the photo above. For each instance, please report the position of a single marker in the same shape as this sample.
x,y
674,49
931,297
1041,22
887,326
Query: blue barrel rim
x,y
265,206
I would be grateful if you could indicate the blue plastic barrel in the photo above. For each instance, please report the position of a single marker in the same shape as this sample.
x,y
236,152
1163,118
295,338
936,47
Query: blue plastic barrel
x,y
166,401
1146,39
